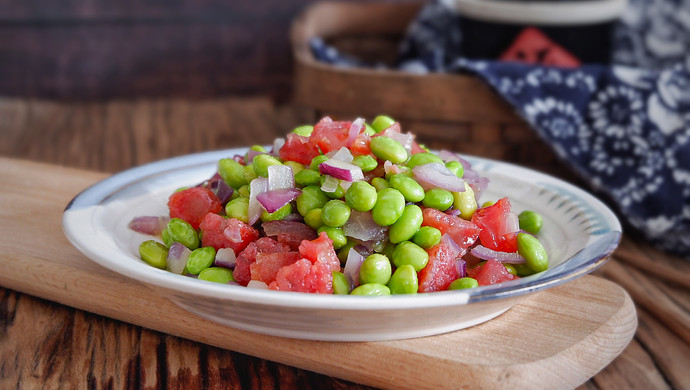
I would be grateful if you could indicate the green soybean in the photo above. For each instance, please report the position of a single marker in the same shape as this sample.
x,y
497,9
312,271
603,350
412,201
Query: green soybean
x,y
313,218
154,253
307,177
371,289
427,236
238,208
335,234
455,167
181,231
463,284
438,198
523,270
365,162
376,268
296,167
311,198
339,190
379,183
256,148
533,251
368,130
249,173
510,268
465,202
231,172
244,191
388,149
381,123
304,131
261,163
316,161
410,253
530,221
277,215
344,252
361,196
404,280
200,259
217,275
341,286
411,190
407,225
423,158
335,213
389,206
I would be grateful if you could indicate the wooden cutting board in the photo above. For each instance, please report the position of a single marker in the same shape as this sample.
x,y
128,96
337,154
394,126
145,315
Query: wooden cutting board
x,y
557,338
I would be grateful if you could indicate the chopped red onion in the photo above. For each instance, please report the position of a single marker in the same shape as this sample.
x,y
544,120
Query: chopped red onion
x,y
461,268
238,158
341,170
149,224
225,257
274,228
343,154
352,266
177,258
274,200
485,253
446,156
511,224
453,212
355,128
257,284
330,184
361,226
277,144
452,245
232,235
279,177
251,153
256,187
221,189
438,175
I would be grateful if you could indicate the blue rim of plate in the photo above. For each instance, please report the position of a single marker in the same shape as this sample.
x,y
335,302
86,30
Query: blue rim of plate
x,y
608,236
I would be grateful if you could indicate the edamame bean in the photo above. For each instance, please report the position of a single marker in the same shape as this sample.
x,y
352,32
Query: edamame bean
x,y
410,253
217,275
345,251
277,215
389,206
368,130
154,253
256,148
341,286
200,259
316,161
530,221
335,213
244,191
296,167
404,280
533,251
423,158
339,190
249,173
407,225
371,289
304,131
411,190
307,177
365,162
231,172
388,149
427,236
311,198
313,218
381,123
361,196
379,183
438,198
335,234
465,202
376,268
523,270
510,268
455,167
261,163
463,283
181,231
238,208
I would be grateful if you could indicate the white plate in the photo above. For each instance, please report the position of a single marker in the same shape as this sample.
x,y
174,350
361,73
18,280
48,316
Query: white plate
x,y
579,234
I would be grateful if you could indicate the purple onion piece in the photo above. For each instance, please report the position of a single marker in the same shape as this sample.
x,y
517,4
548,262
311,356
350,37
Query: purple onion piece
x,y
352,266
225,257
438,175
222,190
149,224
461,268
341,170
484,253
274,200
177,258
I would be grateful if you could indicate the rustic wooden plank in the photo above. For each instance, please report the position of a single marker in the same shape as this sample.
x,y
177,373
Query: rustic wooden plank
x,y
654,262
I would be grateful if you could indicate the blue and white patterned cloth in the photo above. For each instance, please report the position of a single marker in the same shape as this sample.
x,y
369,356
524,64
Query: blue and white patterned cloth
x,y
624,128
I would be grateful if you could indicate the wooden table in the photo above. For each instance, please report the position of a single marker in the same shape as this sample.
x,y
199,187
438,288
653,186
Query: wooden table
x,y
43,343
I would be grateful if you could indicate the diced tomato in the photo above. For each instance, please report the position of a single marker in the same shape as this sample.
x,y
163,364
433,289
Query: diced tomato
x,y
242,272
491,272
360,146
416,148
298,148
193,204
220,232
304,276
267,265
492,222
320,251
463,232
330,135
440,271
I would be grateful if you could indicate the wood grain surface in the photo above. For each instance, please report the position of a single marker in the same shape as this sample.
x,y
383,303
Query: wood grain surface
x,y
45,344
